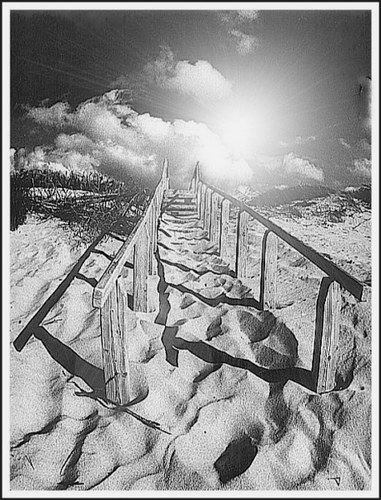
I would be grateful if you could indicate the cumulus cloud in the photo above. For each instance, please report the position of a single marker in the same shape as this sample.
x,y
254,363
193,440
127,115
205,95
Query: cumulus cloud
x,y
238,17
200,80
48,158
298,141
238,24
249,15
56,116
301,167
245,44
106,135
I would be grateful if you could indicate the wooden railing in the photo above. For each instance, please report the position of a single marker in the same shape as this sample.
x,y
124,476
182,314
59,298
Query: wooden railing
x,y
110,297
211,200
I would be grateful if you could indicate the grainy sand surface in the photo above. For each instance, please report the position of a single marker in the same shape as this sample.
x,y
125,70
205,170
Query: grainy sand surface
x,y
194,365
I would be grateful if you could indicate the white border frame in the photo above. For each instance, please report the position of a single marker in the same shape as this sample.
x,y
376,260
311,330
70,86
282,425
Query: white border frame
x,y
7,7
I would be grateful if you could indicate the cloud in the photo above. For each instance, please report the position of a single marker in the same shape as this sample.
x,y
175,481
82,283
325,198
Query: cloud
x,y
56,116
113,138
238,17
245,44
238,24
298,141
363,148
43,157
301,167
362,168
248,15
344,143
200,80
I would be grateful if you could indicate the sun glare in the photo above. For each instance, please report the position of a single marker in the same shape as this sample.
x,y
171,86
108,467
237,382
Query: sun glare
x,y
239,134
244,129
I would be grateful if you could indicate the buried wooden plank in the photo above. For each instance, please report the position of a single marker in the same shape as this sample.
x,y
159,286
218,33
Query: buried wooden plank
x,y
242,245
141,257
224,231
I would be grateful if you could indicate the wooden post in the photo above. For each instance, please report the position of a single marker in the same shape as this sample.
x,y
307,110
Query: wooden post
x,y
242,244
207,211
327,335
269,270
114,347
141,271
155,216
224,231
202,203
199,199
195,178
150,230
214,233
165,174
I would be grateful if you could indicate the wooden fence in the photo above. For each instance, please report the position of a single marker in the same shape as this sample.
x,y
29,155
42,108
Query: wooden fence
x,y
214,204
110,297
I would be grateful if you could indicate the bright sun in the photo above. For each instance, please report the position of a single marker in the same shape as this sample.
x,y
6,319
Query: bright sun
x,y
238,133
242,131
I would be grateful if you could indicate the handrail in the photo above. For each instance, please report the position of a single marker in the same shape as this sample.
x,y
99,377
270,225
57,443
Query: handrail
x,y
347,281
322,377
107,280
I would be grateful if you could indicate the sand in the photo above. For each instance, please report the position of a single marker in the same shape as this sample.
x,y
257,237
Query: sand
x,y
194,365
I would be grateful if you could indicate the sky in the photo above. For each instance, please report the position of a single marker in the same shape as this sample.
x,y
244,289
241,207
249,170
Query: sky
x,y
270,96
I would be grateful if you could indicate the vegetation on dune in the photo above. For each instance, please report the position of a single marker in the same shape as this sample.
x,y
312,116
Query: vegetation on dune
x,y
89,202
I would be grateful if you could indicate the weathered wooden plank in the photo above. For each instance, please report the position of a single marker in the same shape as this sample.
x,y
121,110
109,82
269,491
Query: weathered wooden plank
x,y
109,277
242,245
141,271
150,231
107,349
199,199
155,217
329,339
224,231
269,270
122,364
214,230
347,281
195,178
207,211
202,203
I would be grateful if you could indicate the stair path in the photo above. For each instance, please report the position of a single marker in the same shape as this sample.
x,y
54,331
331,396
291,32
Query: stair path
x,y
208,305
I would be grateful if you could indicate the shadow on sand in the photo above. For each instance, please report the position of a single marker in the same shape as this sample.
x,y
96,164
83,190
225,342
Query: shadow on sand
x,y
210,354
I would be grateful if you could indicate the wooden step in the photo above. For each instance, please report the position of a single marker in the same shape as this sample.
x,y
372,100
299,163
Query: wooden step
x,y
181,207
182,213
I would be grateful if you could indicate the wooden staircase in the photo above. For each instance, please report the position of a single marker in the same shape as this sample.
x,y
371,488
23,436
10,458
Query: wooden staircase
x,y
180,204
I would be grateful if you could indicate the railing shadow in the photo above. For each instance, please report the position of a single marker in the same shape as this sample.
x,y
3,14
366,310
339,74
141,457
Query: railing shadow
x,y
72,362
186,269
210,354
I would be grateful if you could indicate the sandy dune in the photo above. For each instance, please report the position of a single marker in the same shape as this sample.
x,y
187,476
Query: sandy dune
x,y
206,365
